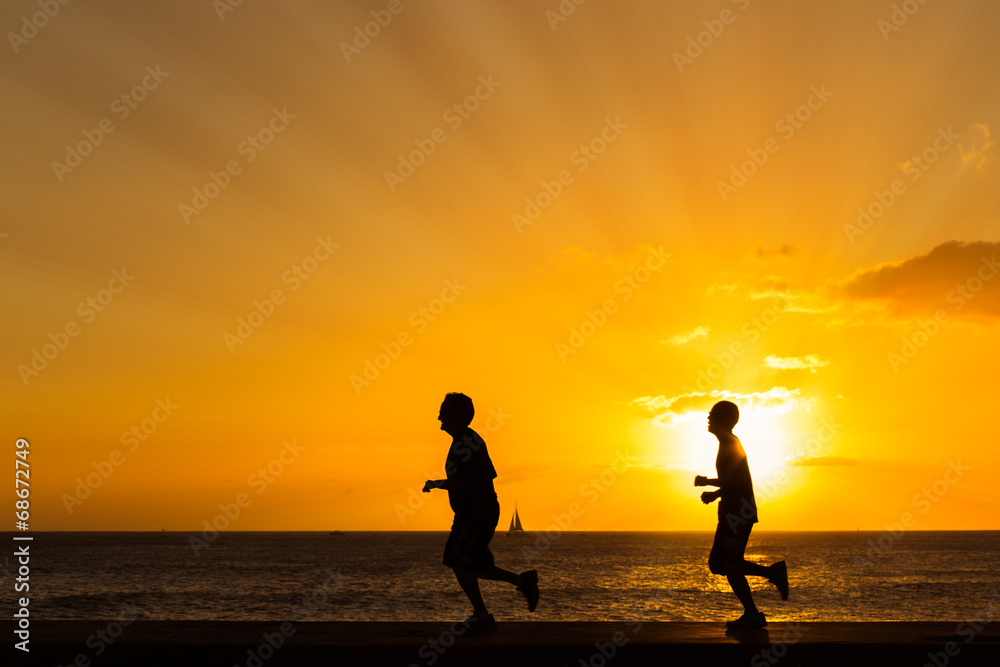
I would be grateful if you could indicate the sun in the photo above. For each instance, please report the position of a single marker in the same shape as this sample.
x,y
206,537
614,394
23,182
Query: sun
x,y
763,432
764,435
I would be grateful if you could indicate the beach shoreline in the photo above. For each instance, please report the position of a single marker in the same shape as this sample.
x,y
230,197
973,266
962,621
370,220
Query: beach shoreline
x,y
255,644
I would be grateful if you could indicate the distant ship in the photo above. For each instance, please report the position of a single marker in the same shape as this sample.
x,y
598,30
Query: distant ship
x,y
515,523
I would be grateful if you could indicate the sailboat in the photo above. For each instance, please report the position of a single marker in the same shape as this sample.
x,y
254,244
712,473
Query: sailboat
x,y
515,523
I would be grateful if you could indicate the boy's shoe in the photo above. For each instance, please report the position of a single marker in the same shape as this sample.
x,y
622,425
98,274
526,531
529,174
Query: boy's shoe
x,y
779,578
748,621
480,623
530,588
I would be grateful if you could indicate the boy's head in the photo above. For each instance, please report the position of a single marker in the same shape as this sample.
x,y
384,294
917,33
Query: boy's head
x,y
723,417
456,411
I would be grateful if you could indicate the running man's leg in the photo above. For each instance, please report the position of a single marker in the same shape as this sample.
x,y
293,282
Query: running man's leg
x,y
499,574
469,582
461,554
468,554
486,568
526,582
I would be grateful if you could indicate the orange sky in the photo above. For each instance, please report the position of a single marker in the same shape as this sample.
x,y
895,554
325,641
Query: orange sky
x,y
595,227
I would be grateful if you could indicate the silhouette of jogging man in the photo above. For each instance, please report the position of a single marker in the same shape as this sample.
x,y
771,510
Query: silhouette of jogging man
x,y
469,483
737,515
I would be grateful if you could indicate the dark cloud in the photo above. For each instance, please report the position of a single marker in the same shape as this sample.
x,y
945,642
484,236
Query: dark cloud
x,y
783,250
961,278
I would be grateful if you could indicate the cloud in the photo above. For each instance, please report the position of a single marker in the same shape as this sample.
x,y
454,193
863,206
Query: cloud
x,y
670,410
721,289
954,276
771,286
977,156
687,337
782,251
796,299
821,461
809,361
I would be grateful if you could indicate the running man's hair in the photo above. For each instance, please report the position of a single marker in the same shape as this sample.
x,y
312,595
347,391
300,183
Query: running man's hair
x,y
727,413
460,406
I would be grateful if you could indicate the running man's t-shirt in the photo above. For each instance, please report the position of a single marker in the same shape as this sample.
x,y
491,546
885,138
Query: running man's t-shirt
x,y
737,498
469,462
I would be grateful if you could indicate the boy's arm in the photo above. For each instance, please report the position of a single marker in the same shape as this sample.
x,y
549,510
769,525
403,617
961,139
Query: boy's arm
x,y
727,466
727,470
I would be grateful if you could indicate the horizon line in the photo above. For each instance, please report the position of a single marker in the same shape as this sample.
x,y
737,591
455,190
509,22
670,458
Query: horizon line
x,y
525,532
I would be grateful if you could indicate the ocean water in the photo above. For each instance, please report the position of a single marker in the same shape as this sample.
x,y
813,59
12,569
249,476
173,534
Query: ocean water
x,y
383,576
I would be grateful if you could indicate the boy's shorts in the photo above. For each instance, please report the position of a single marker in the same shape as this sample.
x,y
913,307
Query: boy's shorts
x,y
468,545
729,546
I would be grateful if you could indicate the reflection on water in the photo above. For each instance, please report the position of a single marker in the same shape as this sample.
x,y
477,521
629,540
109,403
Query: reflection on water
x,y
927,576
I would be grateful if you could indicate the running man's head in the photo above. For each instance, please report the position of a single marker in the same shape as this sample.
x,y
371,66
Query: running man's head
x,y
456,412
723,417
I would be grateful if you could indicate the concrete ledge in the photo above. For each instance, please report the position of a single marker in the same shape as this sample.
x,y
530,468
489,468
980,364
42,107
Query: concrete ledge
x,y
188,643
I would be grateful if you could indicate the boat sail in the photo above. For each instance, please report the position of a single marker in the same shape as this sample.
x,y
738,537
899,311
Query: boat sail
x,y
515,522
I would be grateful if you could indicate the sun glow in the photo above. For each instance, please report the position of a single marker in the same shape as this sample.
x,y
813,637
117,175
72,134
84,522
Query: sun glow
x,y
783,294
763,432
764,435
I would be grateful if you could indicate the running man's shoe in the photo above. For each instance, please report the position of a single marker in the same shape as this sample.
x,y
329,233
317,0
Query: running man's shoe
x,y
480,623
779,578
529,588
748,621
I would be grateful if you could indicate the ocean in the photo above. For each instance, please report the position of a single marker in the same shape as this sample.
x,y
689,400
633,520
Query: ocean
x,y
583,576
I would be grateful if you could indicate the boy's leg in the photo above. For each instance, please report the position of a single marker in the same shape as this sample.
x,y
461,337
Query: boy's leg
x,y
754,569
745,567
729,551
738,582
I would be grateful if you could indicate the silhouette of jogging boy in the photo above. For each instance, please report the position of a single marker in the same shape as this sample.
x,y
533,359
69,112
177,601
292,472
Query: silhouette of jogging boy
x,y
737,515
469,483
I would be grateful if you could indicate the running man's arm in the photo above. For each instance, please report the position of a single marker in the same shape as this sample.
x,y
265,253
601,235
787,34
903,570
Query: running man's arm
x,y
701,480
453,483
435,484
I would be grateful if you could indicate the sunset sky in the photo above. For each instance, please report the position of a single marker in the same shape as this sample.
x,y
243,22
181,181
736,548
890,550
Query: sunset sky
x,y
229,230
